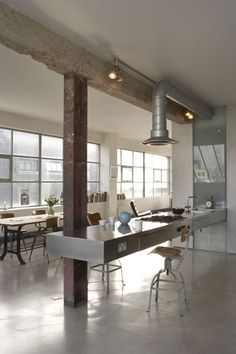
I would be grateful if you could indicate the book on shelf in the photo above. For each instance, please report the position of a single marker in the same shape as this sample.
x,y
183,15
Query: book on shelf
x,y
121,196
97,197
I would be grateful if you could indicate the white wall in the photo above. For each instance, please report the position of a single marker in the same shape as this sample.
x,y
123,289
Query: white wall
x,y
182,164
17,121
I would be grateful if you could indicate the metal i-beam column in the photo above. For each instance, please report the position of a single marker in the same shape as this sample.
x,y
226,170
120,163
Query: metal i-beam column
x,y
75,182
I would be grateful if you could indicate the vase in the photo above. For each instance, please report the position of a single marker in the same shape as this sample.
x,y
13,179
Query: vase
x,y
50,210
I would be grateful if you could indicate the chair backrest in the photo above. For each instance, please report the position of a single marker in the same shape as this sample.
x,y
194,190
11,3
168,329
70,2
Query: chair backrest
x,y
7,215
134,208
184,233
39,212
93,218
136,212
51,223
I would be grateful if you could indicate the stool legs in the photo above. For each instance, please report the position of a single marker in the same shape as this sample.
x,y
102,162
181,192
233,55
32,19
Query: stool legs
x,y
108,268
182,279
179,285
108,283
121,270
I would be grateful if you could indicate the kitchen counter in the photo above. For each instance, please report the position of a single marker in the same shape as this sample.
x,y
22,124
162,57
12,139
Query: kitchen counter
x,y
102,245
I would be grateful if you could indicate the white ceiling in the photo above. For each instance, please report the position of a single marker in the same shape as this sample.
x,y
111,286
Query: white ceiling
x,y
30,89
189,41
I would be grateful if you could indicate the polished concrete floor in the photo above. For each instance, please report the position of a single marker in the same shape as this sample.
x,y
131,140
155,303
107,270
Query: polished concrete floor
x,y
33,322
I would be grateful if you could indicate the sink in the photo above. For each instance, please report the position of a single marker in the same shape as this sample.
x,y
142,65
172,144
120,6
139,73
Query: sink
x,y
199,211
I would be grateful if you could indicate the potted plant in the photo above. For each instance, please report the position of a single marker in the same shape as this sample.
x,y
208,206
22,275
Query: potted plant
x,y
51,201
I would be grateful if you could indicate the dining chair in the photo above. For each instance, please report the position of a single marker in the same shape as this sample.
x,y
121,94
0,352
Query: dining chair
x,y
11,233
39,212
105,268
169,254
51,226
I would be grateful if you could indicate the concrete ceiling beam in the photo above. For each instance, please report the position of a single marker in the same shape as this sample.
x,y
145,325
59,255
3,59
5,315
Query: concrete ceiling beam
x,y
59,54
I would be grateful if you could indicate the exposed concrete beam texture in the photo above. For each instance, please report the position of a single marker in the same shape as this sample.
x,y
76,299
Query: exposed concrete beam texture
x,y
26,36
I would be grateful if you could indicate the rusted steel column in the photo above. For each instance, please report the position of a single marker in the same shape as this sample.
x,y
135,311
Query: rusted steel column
x,y
75,182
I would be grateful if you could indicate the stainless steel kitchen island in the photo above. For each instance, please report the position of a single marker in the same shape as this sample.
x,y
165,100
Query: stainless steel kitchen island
x,y
101,245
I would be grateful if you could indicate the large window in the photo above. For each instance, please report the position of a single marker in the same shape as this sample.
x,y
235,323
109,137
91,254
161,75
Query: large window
x,y
93,168
142,175
31,168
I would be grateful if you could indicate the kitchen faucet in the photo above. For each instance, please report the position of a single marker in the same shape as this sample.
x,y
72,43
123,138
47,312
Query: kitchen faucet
x,y
188,206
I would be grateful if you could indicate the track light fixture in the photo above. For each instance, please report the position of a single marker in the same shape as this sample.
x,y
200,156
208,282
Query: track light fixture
x,y
114,74
189,115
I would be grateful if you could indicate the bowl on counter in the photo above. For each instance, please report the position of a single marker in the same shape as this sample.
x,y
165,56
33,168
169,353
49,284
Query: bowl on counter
x,y
178,211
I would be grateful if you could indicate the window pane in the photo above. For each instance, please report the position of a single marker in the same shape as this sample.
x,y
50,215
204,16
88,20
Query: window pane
x,y
50,188
138,159
118,187
157,175
127,174
93,152
5,194
211,163
25,169
157,161
148,175
165,188
165,162
165,176
4,168
92,188
5,141
138,190
52,170
25,194
148,160
52,147
148,189
25,144
126,157
138,174
220,154
119,174
118,157
93,172
199,168
157,189
127,188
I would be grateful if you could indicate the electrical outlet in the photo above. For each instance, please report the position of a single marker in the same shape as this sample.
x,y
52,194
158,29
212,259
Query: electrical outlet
x,y
122,246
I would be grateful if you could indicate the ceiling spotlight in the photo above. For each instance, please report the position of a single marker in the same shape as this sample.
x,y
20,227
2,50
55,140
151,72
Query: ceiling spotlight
x,y
189,115
114,74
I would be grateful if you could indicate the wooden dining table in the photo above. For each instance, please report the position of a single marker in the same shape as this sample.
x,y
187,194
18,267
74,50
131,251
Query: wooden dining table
x,y
18,223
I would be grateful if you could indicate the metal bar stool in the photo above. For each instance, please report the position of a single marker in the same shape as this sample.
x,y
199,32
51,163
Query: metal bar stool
x,y
170,253
107,268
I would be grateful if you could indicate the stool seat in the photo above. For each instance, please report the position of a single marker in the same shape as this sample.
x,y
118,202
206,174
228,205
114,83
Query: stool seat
x,y
167,251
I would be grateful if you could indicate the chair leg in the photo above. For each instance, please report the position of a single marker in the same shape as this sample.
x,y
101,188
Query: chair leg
x,y
45,248
23,240
103,272
108,285
32,248
121,270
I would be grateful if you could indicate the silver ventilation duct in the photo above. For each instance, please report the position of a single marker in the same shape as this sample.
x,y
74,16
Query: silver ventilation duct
x,y
164,90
